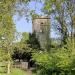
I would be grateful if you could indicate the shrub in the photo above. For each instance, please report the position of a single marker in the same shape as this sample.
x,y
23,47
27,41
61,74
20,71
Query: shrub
x,y
56,62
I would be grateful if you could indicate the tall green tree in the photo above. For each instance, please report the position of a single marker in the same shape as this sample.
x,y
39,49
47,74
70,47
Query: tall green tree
x,y
63,11
63,58
7,30
7,36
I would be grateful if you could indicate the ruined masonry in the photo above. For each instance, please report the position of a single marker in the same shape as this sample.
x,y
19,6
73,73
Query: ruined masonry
x,y
41,26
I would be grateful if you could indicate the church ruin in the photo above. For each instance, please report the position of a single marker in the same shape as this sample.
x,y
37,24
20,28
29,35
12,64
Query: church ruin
x,y
41,26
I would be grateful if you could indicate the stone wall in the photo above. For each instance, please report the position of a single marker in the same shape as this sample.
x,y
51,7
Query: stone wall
x,y
41,26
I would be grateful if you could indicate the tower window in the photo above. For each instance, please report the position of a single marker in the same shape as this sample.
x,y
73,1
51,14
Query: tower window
x,y
41,22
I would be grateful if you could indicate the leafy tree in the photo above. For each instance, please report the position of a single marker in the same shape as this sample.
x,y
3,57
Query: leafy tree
x,y
7,28
7,37
21,47
58,8
57,62
33,41
26,46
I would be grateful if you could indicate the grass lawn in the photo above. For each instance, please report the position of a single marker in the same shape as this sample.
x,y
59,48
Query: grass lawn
x,y
17,72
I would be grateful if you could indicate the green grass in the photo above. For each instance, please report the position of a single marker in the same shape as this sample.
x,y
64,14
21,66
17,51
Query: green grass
x,y
17,72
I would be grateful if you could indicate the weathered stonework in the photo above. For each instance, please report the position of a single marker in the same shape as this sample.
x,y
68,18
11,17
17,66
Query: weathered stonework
x,y
41,26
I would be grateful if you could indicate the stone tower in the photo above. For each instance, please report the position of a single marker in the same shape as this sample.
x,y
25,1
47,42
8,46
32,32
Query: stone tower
x,y
41,26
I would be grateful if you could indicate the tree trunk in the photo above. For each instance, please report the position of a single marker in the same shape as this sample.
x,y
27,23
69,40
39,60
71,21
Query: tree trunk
x,y
8,67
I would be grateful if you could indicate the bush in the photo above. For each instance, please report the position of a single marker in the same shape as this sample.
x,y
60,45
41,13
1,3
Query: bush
x,y
57,62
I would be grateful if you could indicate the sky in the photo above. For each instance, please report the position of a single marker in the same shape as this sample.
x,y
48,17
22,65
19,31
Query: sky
x,y
23,26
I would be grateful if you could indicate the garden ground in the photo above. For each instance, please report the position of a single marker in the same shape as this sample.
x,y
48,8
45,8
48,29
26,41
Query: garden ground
x,y
18,72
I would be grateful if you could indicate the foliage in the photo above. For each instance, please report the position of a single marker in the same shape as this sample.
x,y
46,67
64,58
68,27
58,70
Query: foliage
x,y
21,48
7,28
33,41
60,60
24,49
7,32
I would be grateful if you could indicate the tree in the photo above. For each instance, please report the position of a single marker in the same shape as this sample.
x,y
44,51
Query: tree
x,y
7,36
28,44
7,28
62,9
63,13
33,41
21,48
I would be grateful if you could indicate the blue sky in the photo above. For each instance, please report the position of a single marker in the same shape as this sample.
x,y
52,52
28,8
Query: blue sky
x,y
22,25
